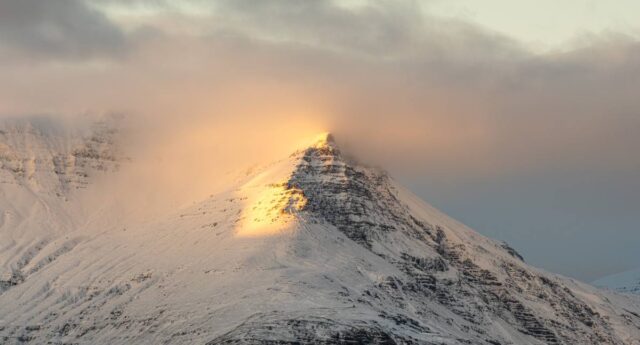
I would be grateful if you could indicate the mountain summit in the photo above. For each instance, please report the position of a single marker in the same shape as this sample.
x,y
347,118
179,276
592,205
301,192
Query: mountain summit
x,y
312,249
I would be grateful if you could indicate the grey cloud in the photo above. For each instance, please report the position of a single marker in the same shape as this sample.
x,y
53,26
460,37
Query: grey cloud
x,y
57,29
376,28
379,29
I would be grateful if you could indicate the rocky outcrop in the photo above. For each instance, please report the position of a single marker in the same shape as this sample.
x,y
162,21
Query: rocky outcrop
x,y
46,156
358,201
276,329
361,202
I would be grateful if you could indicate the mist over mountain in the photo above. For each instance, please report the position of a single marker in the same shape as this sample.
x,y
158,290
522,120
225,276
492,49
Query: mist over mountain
x,y
255,172
471,117
311,248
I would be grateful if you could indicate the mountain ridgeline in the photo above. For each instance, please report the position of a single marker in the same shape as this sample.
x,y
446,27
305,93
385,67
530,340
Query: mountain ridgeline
x,y
313,249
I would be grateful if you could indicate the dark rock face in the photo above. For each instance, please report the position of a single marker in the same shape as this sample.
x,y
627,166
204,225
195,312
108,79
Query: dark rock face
x,y
359,202
272,329
71,167
363,204
19,274
511,251
97,152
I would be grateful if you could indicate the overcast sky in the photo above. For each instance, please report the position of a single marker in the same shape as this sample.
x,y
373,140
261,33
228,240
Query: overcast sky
x,y
521,119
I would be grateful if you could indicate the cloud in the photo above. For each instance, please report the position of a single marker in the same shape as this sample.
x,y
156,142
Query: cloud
x,y
378,28
447,106
57,29
454,96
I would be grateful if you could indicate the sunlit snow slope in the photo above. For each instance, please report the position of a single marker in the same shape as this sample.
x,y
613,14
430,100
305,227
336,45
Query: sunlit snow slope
x,y
313,249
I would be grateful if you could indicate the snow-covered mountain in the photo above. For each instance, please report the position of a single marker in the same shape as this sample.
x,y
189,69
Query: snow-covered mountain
x,y
43,162
313,249
627,282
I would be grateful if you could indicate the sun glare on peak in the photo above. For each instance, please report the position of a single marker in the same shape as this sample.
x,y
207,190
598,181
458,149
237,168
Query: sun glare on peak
x,y
270,210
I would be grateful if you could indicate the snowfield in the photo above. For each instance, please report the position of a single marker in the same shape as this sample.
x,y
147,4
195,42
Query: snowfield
x,y
312,249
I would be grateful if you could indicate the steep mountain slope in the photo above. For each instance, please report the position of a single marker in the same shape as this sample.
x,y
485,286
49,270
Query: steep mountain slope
x,y
627,282
42,163
313,249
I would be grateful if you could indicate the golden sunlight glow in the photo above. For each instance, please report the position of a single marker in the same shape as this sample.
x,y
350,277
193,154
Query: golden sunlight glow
x,y
271,210
322,139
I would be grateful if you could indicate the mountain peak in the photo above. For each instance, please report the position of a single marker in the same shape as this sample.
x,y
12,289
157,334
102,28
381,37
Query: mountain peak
x,y
323,140
314,248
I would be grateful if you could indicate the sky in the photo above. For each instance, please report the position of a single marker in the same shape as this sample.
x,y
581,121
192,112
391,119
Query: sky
x,y
545,24
518,118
